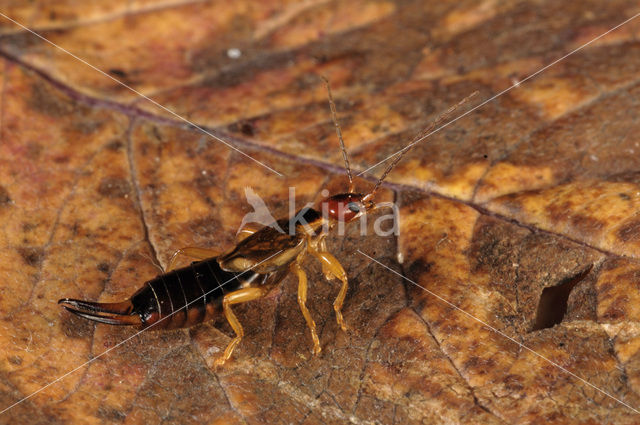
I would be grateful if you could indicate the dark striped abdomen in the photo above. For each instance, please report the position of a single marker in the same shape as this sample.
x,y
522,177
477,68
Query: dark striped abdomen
x,y
188,296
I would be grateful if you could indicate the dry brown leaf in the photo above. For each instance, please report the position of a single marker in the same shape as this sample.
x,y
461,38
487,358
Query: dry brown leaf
x,y
522,216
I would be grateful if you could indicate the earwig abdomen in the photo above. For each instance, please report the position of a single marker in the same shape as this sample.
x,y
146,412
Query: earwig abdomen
x,y
181,298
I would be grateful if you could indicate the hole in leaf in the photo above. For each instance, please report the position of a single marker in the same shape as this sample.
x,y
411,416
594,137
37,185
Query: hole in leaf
x,y
553,301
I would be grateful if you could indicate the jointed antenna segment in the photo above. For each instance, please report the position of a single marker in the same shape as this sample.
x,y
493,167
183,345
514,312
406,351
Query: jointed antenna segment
x,y
423,135
334,117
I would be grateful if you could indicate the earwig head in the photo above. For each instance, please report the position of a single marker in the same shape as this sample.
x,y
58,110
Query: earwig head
x,y
346,207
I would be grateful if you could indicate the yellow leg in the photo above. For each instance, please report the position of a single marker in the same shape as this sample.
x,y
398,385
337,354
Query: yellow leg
x,y
237,297
191,252
332,265
322,247
302,299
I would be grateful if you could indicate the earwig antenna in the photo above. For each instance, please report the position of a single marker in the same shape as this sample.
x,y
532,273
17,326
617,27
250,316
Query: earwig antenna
x,y
334,116
423,135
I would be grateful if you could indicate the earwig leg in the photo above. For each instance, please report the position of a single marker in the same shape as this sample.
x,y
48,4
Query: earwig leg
x,y
333,266
322,247
302,299
237,297
191,252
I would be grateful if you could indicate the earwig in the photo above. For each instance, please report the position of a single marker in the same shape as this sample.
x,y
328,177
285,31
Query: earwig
x,y
209,286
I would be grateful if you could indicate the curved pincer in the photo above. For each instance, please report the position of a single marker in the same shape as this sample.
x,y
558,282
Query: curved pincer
x,y
121,313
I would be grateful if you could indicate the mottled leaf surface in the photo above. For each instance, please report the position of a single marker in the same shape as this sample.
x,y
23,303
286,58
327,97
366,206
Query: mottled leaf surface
x,y
511,294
